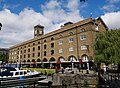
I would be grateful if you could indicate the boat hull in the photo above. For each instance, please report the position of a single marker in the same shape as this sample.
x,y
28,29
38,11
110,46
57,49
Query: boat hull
x,y
20,77
20,81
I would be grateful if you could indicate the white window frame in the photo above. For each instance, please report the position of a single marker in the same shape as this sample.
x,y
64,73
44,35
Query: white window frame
x,y
71,49
84,47
60,42
60,50
71,40
96,28
82,30
83,37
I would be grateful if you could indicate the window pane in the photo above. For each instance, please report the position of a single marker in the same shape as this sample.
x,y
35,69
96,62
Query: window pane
x,y
38,47
84,47
45,46
60,51
60,42
70,40
83,37
71,49
52,45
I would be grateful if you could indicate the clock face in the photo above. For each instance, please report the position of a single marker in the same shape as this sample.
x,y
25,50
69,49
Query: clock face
x,y
40,32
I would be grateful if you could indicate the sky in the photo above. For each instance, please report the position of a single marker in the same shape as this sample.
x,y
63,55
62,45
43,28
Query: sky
x,y
19,17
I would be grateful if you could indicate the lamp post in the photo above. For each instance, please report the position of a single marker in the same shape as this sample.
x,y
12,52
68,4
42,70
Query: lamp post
x,y
19,60
87,72
0,26
81,63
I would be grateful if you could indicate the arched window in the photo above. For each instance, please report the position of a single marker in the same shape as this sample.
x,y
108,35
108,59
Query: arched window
x,y
60,36
45,53
44,60
44,40
52,59
24,61
61,59
82,30
52,38
70,33
72,58
85,58
33,48
45,46
33,60
28,60
38,60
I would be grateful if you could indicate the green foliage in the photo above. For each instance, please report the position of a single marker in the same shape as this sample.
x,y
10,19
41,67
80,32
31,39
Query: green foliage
x,y
48,71
107,46
3,57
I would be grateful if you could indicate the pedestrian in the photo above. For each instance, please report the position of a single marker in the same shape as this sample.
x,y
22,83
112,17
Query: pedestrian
x,y
62,70
56,69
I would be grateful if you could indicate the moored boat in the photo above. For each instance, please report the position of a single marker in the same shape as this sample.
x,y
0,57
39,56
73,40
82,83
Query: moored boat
x,y
9,73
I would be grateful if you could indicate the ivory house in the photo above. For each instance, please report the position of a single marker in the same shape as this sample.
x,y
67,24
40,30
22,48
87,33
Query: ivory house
x,y
71,45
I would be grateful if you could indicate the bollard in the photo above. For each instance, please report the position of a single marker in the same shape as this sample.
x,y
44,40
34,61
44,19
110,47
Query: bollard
x,y
87,72
49,84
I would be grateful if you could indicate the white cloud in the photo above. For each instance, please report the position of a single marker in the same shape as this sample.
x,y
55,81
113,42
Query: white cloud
x,y
18,28
112,20
73,4
111,6
113,1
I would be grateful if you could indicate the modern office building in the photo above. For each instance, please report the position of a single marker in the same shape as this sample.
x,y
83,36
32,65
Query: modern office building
x,y
70,45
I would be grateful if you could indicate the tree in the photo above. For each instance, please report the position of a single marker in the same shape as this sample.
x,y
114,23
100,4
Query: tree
x,y
3,57
107,47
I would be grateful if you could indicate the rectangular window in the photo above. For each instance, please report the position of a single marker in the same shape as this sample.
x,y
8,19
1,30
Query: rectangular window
x,y
38,54
24,51
52,52
60,50
20,56
71,49
70,40
28,55
17,73
83,37
21,73
84,47
38,47
52,45
45,46
24,56
33,54
44,53
28,50
60,42
33,48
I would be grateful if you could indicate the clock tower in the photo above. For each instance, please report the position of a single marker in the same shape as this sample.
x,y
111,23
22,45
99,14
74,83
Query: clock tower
x,y
38,31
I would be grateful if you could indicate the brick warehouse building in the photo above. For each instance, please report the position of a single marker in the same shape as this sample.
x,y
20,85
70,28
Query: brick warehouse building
x,y
67,46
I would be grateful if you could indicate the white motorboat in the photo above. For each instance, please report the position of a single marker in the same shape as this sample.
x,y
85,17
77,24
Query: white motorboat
x,y
8,73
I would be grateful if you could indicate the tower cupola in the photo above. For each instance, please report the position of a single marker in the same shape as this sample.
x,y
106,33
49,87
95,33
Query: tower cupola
x,y
38,31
